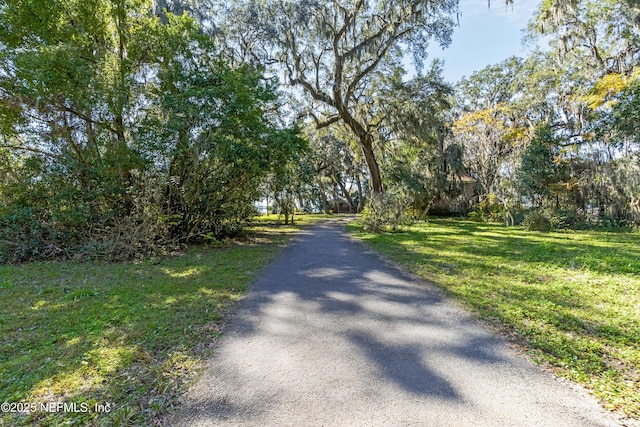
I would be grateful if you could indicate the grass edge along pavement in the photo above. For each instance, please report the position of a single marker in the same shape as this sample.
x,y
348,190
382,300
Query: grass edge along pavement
x,y
118,343
570,299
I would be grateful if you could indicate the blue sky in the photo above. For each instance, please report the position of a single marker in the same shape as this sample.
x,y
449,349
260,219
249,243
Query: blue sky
x,y
485,36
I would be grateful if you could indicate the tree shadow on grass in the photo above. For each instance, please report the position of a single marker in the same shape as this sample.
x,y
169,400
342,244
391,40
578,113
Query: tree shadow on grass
x,y
538,289
600,252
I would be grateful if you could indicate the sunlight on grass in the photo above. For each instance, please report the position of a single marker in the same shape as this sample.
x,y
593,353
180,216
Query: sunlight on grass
x,y
92,370
38,305
74,341
206,291
571,298
58,385
184,273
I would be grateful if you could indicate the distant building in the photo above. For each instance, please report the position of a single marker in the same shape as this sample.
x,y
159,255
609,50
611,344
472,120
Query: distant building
x,y
458,205
341,206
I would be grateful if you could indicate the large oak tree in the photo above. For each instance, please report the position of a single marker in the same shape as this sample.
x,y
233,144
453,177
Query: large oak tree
x,y
339,52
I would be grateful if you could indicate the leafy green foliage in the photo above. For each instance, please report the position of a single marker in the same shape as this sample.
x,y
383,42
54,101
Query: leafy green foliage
x,y
123,133
556,130
342,55
537,169
290,180
218,141
387,212
536,220
339,170
490,123
626,112
424,163
493,209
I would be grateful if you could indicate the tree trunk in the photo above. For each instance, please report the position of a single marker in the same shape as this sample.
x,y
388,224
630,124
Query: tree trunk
x,y
325,202
366,142
635,210
345,193
279,204
360,193
372,164
292,205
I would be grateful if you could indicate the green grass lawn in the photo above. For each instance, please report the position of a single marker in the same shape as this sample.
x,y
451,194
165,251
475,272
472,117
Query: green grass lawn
x,y
571,298
130,335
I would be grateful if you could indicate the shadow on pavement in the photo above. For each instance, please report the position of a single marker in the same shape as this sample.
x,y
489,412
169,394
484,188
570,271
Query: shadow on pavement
x,y
326,280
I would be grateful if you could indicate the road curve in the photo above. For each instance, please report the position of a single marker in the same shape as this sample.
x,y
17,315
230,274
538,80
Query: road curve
x,y
331,335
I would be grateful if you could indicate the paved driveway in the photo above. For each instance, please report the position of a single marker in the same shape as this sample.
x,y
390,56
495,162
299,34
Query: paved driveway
x,y
331,335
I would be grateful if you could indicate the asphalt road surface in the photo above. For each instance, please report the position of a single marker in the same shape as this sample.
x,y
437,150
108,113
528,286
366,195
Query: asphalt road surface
x,y
331,335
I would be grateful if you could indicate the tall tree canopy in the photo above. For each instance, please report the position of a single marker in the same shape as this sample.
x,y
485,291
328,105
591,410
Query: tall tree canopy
x,y
340,52
582,91
118,125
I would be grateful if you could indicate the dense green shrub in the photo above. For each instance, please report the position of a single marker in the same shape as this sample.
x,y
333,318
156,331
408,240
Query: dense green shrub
x,y
387,212
536,220
126,133
491,209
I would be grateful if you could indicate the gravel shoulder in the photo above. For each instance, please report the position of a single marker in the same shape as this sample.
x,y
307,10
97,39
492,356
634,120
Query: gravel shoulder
x,y
331,335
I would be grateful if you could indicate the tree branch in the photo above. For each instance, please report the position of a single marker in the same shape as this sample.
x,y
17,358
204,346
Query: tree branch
x,y
328,122
316,94
30,149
